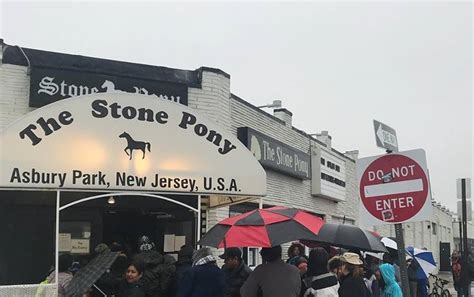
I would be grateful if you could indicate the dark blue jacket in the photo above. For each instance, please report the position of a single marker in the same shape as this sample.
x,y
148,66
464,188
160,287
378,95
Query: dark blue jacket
x,y
202,281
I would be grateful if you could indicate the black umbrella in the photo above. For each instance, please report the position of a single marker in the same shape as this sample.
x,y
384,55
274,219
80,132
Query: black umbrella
x,y
89,274
349,237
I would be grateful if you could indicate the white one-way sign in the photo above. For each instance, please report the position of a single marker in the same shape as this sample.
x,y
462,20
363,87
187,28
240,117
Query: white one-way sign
x,y
385,136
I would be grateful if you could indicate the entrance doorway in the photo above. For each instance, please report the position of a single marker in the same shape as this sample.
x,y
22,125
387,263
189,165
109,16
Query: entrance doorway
x,y
445,256
130,216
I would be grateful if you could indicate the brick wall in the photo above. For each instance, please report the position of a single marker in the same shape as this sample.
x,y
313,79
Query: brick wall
x,y
212,99
14,93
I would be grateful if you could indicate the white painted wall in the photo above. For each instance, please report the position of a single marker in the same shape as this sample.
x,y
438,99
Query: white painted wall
x,y
14,93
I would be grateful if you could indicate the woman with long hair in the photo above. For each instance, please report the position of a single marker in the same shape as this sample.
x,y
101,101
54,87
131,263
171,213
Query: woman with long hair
x,y
351,275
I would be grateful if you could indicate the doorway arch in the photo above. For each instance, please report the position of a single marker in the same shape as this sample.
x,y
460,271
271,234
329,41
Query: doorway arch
x,y
151,195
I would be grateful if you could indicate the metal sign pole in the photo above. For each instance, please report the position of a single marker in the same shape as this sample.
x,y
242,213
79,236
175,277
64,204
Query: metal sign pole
x,y
401,256
465,255
56,253
402,260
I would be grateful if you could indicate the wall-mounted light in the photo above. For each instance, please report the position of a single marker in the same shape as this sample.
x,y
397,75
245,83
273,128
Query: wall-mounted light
x,y
274,104
111,200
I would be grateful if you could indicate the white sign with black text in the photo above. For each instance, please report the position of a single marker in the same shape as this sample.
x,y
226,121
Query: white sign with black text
x,y
126,142
328,175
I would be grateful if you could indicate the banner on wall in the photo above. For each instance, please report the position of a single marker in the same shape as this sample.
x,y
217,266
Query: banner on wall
x,y
48,85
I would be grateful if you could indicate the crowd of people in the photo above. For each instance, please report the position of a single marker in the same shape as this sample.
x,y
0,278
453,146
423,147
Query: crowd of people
x,y
322,273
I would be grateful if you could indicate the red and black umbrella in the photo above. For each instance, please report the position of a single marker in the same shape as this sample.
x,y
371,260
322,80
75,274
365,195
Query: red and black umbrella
x,y
263,228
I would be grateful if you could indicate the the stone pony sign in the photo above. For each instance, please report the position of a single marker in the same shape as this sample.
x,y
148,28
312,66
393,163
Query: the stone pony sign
x,y
126,142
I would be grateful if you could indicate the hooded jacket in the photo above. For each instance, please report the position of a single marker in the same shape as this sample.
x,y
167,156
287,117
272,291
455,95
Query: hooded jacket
x,y
391,289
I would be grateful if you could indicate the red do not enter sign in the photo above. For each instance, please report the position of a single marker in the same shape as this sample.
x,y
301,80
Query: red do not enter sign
x,y
394,188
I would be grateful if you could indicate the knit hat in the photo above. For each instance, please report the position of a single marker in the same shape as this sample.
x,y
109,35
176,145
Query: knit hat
x,y
145,244
231,253
185,253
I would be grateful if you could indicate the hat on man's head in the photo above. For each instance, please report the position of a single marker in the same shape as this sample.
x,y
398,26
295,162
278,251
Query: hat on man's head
x,y
186,252
352,258
271,254
231,252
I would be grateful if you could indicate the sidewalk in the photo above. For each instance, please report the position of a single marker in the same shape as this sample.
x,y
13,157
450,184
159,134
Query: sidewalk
x,y
446,276
449,277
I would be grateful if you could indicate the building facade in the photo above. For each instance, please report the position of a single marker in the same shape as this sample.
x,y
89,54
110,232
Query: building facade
x,y
302,170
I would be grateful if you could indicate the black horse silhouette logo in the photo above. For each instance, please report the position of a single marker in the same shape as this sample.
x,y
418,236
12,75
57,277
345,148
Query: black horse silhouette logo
x,y
135,145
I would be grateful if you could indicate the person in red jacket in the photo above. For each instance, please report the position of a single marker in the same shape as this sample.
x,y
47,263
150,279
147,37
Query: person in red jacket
x,y
456,270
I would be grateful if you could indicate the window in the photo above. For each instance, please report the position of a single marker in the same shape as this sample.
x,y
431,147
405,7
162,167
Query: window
x,y
333,180
249,255
338,169
433,228
323,162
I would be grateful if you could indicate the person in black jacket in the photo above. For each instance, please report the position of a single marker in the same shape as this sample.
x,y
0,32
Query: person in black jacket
x,y
183,264
158,276
204,279
412,278
133,286
235,270
319,281
350,276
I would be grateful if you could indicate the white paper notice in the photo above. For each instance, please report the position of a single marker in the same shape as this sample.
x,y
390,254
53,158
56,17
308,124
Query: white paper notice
x,y
179,241
168,245
175,256
64,242
80,246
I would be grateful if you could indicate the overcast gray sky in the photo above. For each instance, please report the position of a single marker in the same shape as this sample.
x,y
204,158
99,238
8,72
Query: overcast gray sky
x,y
336,66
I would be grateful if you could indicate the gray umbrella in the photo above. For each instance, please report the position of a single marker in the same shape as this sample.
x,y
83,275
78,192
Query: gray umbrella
x,y
89,274
348,236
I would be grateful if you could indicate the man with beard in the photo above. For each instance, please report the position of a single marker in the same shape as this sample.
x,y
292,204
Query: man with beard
x,y
235,270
